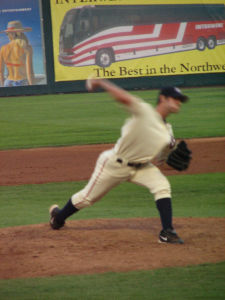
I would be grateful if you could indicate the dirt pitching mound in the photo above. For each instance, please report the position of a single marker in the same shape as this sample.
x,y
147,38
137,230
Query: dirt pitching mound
x,y
97,246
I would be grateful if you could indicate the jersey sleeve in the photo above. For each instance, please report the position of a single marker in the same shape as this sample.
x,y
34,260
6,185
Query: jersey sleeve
x,y
137,106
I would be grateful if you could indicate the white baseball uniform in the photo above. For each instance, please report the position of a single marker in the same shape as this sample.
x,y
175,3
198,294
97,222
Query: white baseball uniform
x,y
143,138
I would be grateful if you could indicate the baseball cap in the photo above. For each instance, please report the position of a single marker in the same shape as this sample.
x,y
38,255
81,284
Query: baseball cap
x,y
174,92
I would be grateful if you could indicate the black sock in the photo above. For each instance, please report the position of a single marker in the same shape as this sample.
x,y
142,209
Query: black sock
x,y
164,206
68,210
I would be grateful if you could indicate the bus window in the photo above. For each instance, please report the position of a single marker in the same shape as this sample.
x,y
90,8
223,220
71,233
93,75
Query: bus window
x,y
83,28
67,32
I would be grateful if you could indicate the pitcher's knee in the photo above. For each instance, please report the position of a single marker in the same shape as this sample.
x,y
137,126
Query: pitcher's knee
x,y
162,194
80,201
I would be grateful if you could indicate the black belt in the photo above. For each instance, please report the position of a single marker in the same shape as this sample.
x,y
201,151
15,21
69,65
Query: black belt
x,y
131,164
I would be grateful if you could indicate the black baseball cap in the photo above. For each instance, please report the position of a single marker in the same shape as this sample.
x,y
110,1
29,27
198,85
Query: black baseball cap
x,y
174,92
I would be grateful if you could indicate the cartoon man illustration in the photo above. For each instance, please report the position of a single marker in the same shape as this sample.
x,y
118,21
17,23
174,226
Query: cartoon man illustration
x,y
17,57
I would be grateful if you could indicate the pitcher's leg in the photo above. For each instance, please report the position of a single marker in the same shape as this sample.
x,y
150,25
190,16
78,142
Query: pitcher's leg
x,y
107,174
100,183
152,178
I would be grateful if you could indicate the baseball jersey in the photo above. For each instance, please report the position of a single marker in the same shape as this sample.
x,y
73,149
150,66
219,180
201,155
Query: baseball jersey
x,y
163,155
144,135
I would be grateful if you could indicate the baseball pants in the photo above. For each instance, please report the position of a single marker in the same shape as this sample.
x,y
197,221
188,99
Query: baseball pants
x,y
109,173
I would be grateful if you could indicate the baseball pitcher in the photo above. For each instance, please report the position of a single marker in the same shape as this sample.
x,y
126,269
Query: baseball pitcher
x,y
145,137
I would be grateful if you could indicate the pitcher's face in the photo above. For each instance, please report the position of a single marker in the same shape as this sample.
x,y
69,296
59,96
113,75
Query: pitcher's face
x,y
173,105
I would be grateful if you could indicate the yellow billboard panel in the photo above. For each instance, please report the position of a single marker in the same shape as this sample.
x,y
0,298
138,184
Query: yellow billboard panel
x,y
122,39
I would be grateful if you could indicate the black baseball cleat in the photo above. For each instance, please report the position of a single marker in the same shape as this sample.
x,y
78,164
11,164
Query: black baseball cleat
x,y
53,211
169,236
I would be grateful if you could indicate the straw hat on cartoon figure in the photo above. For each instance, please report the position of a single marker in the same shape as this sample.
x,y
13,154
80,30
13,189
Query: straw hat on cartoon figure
x,y
16,26
16,56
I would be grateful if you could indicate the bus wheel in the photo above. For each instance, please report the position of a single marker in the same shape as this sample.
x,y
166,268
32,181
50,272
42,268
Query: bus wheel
x,y
104,58
211,42
201,44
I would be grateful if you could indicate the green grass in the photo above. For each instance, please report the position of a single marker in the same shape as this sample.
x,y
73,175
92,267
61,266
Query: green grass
x,y
200,195
203,282
57,120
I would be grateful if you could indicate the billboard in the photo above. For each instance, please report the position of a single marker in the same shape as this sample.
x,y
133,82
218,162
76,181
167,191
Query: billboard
x,y
122,39
22,55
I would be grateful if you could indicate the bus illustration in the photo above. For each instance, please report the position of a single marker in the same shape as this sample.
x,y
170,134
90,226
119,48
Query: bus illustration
x,y
104,34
